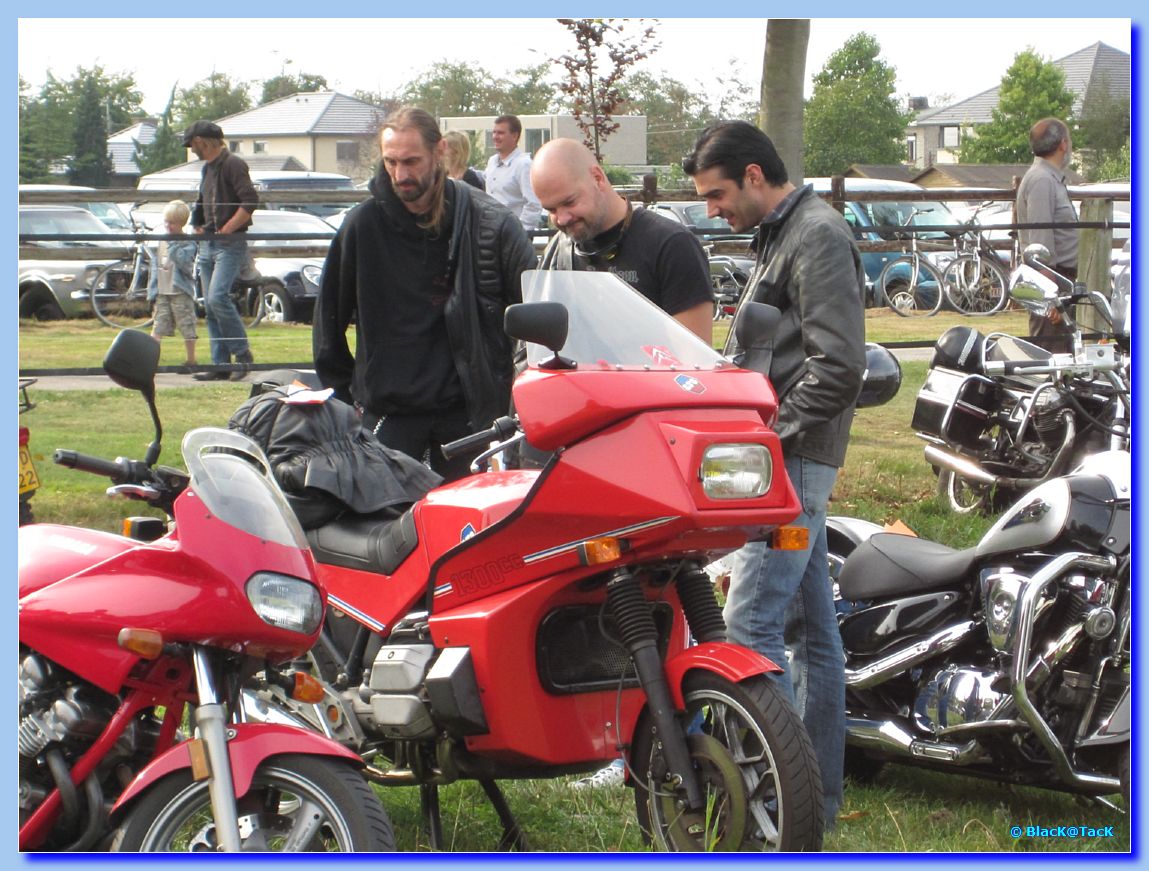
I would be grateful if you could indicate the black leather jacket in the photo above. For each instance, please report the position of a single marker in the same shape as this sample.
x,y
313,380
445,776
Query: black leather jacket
x,y
488,251
809,267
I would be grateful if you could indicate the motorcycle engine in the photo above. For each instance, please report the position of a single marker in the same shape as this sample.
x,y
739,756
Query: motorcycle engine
x,y
392,703
959,696
1047,412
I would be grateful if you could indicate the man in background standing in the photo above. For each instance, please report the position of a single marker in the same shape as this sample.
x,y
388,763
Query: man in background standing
x,y
1043,198
508,175
224,206
809,267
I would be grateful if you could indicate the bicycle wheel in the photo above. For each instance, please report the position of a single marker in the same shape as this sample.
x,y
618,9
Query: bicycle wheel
x,y
911,286
119,295
975,285
249,302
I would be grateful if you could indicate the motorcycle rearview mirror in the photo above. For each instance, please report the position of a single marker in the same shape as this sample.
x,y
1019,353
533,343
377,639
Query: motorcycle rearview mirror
x,y
1037,256
754,329
541,323
132,361
1033,290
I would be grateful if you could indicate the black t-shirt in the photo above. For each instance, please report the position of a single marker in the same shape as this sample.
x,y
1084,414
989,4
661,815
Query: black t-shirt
x,y
660,259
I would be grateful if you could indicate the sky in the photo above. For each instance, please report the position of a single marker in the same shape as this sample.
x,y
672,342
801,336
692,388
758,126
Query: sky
x,y
933,57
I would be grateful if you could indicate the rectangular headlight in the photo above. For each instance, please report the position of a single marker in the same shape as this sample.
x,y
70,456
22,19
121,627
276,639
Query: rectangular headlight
x,y
735,471
286,602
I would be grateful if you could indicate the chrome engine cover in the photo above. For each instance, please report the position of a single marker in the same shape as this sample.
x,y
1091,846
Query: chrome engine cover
x,y
956,697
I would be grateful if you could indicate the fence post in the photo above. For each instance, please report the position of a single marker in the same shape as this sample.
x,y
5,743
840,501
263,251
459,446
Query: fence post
x,y
1094,254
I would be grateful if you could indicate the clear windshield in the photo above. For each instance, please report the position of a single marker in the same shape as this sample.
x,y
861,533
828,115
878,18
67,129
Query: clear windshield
x,y
612,326
232,477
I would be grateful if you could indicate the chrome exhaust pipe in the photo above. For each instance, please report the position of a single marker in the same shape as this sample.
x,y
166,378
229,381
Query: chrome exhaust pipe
x,y
888,736
907,657
935,456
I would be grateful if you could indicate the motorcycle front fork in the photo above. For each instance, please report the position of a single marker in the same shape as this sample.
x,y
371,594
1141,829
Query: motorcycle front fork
x,y
635,620
211,721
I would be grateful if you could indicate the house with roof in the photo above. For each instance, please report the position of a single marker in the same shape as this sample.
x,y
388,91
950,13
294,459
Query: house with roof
x,y
123,147
935,135
991,176
323,131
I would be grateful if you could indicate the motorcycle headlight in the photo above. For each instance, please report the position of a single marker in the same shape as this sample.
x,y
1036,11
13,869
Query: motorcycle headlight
x,y
735,471
285,602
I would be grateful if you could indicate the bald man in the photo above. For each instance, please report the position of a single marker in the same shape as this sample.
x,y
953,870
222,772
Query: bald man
x,y
599,231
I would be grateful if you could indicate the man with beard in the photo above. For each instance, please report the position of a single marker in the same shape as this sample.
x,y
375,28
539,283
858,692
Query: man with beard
x,y
599,231
808,267
426,267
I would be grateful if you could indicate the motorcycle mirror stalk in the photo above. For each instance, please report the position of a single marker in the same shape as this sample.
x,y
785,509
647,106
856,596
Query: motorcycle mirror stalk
x,y
132,362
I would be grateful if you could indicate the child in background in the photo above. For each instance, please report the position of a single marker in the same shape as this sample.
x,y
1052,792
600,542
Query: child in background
x,y
175,284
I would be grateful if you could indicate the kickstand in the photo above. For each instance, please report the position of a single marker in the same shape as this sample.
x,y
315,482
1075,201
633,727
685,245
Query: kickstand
x,y
513,837
429,805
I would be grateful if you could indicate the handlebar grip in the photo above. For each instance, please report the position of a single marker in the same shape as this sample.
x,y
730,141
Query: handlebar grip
x,y
501,429
114,469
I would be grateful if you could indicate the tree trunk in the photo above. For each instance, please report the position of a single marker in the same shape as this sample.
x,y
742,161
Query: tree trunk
x,y
783,79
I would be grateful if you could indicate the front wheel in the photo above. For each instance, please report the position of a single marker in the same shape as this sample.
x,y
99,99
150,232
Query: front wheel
x,y
296,803
755,764
975,285
120,295
911,286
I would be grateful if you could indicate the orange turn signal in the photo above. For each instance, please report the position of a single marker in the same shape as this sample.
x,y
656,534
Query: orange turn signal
x,y
307,689
600,550
791,538
146,643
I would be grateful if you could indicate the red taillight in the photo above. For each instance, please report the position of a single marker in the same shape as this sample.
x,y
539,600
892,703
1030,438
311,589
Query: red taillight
x,y
23,435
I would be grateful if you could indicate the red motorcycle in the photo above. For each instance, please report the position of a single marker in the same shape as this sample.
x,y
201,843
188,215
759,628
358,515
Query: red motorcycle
x,y
536,623
125,641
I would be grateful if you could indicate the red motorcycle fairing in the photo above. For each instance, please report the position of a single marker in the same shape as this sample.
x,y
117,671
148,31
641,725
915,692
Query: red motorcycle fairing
x,y
522,715
162,586
731,661
47,552
559,408
252,745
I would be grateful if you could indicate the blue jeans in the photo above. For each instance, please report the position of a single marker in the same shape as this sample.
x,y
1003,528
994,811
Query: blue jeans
x,y
220,263
781,595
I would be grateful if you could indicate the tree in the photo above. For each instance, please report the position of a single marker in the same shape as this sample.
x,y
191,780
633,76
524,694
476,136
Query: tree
x,y
1102,135
675,115
91,165
853,115
783,78
214,98
596,69
283,85
167,149
1031,89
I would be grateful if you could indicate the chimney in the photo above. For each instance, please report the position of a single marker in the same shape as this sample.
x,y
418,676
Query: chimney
x,y
919,104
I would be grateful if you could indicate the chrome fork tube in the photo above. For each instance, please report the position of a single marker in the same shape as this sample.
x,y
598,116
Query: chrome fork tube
x,y
211,721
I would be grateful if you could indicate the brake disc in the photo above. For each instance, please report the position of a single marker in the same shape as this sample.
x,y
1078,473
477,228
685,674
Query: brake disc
x,y
721,823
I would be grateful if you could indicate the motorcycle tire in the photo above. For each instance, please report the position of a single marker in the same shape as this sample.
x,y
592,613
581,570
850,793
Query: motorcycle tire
x,y
963,496
175,814
754,761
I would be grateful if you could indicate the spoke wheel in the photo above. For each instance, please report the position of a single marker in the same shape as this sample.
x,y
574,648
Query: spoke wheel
x,y
120,295
753,762
961,495
975,285
295,804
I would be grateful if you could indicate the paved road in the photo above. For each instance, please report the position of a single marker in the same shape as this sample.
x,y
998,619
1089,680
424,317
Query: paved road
x,y
172,379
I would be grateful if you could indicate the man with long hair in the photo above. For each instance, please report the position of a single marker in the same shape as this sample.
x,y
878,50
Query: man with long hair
x,y
426,268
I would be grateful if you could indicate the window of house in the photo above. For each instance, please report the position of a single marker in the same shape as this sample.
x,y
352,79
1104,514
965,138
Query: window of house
x,y
951,137
233,146
347,150
535,139
259,147
911,148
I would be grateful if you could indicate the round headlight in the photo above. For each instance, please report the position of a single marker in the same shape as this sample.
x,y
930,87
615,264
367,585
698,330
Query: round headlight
x,y
735,471
286,602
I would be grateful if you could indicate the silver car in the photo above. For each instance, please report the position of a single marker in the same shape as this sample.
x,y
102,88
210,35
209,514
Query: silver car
x,y
54,287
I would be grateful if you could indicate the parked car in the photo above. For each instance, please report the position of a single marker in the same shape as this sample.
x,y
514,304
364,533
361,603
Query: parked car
x,y
59,288
290,296
693,215
187,178
111,214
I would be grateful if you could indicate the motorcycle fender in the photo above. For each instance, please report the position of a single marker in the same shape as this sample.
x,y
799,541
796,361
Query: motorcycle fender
x,y
253,744
731,661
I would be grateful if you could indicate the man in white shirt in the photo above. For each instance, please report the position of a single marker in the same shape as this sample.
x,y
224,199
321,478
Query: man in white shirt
x,y
508,174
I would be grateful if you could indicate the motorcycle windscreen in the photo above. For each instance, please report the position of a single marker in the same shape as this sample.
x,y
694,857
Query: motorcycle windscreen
x,y
613,326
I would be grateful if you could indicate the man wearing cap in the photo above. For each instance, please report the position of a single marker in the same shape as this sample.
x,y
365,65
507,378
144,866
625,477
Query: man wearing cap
x,y
224,206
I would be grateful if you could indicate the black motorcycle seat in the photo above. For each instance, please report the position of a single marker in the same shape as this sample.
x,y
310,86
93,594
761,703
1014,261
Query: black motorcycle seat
x,y
889,564
376,543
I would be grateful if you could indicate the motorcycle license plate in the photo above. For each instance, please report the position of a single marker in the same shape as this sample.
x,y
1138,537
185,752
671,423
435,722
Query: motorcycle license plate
x,y
29,480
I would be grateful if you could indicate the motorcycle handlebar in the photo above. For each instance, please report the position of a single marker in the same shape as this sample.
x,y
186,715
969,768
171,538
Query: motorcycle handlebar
x,y
118,470
502,428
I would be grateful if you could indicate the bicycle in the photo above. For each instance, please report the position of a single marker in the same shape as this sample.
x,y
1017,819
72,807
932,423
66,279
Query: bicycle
x,y
974,281
122,296
910,284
